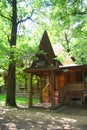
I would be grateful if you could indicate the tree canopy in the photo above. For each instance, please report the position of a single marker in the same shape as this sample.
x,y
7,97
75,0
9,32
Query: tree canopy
x,y
69,26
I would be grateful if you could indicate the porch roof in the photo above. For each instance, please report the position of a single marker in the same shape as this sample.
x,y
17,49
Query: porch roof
x,y
42,71
73,67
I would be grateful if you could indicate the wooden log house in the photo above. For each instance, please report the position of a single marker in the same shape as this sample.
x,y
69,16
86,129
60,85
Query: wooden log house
x,y
57,84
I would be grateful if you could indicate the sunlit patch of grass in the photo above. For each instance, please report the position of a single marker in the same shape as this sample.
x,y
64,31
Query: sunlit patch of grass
x,y
19,100
2,99
22,100
36,100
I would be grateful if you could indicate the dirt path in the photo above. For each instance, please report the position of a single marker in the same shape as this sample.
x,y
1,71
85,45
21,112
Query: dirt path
x,y
63,118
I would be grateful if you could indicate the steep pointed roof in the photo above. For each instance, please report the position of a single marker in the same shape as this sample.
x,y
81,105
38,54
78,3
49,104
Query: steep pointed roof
x,y
45,60
45,45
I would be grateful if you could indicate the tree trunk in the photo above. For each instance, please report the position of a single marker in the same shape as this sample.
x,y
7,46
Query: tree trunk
x,y
10,99
11,83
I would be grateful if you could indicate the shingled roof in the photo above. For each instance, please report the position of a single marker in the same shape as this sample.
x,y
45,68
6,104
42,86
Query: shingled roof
x,y
59,50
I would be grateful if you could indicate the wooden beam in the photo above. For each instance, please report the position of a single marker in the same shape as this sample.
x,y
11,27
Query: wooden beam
x,y
31,92
40,85
52,87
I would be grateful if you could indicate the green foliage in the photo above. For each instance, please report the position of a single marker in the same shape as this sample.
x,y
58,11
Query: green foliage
x,y
20,77
60,57
27,45
1,81
57,17
28,38
26,53
79,50
69,17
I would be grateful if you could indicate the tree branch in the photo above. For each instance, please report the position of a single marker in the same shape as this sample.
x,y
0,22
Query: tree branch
x,y
73,14
78,12
5,17
29,17
67,47
67,41
7,36
10,2
1,67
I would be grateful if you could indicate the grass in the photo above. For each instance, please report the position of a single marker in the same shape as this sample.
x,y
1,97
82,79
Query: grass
x,y
2,99
19,100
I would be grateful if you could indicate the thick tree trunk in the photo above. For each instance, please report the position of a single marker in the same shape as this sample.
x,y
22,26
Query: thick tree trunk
x,y
11,89
11,83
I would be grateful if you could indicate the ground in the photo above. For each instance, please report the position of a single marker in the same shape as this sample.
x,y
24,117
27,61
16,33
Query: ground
x,y
62,118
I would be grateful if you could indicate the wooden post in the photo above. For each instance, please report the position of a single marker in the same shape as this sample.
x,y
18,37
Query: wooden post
x,y
25,83
30,93
40,83
52,80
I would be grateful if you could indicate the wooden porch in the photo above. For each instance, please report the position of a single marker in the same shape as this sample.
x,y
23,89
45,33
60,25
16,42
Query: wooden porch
x,y
44,88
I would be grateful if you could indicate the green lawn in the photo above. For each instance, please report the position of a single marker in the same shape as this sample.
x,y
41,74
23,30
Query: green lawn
x,y
2,99
19,100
